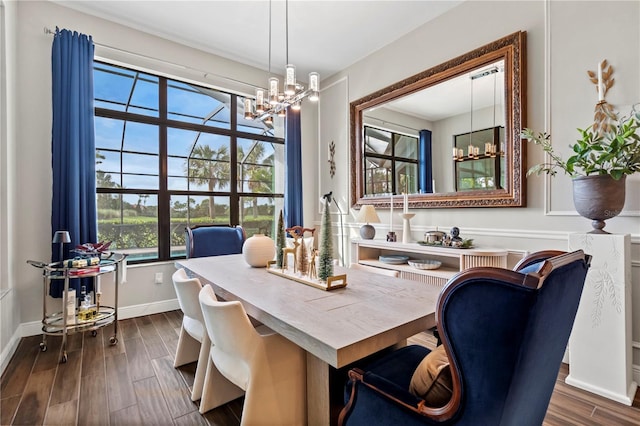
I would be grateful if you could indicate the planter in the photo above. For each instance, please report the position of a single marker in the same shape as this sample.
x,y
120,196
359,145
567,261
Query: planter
x,y
598,197
258,250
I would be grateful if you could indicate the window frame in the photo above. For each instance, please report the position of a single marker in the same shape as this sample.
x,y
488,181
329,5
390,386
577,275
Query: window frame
x,y
163,193
393,158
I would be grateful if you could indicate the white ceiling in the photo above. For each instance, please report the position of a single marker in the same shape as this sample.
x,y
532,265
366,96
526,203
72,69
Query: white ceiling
x,y
324,36
455,96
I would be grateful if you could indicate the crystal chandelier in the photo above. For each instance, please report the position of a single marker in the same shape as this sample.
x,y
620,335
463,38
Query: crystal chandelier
x,y
271,101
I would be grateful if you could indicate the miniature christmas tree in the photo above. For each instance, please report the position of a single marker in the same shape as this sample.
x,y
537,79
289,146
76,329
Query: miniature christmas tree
x,y
303,258
281,239
325,267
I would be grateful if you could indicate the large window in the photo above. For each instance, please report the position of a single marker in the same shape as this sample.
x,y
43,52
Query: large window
x,y
171,154
390,161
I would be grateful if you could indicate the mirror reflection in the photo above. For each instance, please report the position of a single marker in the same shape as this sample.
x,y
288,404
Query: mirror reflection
x,y
462,119
448,136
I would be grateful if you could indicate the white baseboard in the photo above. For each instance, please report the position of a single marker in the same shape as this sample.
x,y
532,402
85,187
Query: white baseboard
x,y
34,328
622,398
148,309
9,350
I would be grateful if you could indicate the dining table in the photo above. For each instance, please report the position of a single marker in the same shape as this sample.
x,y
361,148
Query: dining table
x,y
336,328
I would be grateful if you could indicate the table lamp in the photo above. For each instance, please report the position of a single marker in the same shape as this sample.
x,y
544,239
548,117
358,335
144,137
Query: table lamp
x,y
368,215
61,237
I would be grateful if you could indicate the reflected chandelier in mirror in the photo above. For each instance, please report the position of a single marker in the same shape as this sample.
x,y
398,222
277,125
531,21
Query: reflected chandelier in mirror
x,y
403,136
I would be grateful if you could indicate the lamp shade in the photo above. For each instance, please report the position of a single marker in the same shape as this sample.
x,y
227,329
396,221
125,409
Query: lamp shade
x,y
61,237
368,214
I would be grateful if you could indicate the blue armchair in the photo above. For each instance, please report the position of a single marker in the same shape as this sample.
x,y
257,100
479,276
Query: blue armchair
x,y
214,240
504,333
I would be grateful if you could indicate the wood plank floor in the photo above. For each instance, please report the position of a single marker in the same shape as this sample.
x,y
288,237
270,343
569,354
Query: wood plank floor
x,y
134,383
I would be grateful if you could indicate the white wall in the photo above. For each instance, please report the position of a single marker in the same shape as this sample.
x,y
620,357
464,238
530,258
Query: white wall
x,y
564,40
9,306
32,143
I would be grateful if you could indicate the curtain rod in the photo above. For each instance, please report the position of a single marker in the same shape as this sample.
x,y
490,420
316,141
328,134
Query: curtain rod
x,y
205,74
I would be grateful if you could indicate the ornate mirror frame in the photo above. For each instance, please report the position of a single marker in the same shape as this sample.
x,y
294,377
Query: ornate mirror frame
x,y
512,50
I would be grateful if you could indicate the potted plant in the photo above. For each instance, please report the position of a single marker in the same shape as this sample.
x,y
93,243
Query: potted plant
x,y
600,162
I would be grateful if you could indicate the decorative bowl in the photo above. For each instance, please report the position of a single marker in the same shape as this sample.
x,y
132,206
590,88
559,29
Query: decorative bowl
x,y
425,264
394,259
434,236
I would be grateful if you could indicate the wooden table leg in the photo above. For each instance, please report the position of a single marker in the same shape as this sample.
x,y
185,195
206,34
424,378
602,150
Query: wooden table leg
x,y
318,395
325,392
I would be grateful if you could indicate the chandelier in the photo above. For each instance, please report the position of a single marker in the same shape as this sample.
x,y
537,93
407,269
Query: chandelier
x,y
270,102
490,148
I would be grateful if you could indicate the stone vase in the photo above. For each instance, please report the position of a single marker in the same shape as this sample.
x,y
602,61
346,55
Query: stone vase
x,y
598,197
258,250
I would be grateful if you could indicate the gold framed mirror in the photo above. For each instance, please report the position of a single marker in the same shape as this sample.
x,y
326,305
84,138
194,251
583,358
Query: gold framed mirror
x,y
448,136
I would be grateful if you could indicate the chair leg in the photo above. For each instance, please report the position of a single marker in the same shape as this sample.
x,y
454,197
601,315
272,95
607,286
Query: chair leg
x,y
217,389
188,349
436,334
201,369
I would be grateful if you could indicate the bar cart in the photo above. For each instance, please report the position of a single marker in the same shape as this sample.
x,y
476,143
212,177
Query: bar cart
x,y
95,315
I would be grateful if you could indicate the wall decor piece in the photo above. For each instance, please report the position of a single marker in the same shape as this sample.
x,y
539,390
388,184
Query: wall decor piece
x,y
334,114
332,161
603,79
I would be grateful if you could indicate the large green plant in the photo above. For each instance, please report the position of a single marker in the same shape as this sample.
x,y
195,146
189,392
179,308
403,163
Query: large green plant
x,y
615,152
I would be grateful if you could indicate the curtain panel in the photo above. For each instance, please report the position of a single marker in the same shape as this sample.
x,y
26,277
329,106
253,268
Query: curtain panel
x,y
293,178
425,163
73,205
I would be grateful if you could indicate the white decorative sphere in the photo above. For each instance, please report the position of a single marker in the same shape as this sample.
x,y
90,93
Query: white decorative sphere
x,y
258,250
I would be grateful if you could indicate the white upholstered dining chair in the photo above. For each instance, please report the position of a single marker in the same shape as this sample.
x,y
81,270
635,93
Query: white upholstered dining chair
x,y
194,343
269,368
192,333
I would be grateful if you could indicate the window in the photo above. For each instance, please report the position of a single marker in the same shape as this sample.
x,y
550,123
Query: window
x,y
484,168
390,161
171,154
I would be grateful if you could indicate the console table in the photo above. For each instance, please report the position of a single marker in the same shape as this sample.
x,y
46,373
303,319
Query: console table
x,y
454,260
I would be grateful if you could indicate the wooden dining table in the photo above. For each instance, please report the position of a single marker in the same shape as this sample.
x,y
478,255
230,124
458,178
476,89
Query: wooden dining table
x,y
336,328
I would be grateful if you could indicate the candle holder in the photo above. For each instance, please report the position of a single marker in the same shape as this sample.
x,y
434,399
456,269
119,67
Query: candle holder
x,y
406,227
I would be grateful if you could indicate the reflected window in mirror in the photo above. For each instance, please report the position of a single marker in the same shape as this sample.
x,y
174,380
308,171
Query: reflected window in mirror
x,y
479,160
390,162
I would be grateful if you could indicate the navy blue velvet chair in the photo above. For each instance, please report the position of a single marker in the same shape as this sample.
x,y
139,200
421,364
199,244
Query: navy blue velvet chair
x,y
504,332
214,240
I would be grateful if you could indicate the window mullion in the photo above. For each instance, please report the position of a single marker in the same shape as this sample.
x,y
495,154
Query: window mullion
x,y
164,213
234,200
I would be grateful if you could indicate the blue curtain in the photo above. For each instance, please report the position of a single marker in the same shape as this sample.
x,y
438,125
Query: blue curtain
x,y
425,166
293,178
73,206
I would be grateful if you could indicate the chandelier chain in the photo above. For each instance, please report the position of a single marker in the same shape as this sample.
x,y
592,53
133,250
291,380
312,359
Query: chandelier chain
x,y
269,37
272,101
